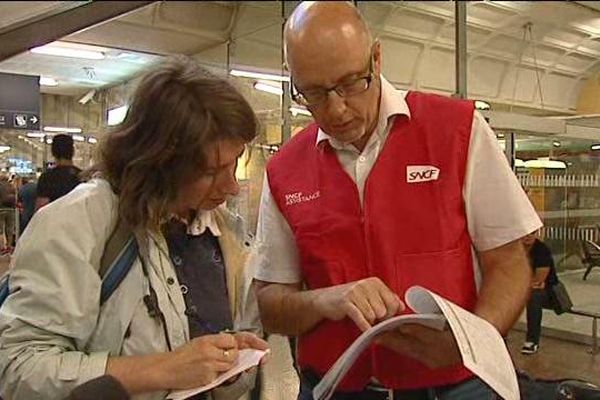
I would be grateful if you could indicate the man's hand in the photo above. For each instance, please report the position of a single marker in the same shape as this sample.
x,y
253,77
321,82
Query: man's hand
x,y
365,302
435,349
538,285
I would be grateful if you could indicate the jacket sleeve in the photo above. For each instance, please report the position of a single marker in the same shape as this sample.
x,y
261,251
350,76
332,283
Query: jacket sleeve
x,y
53,307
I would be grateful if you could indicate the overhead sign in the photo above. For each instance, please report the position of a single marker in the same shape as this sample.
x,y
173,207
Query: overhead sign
x,y
19,102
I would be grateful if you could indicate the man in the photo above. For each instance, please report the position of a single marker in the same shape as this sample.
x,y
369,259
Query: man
x,y
61,179
7,214
384,192
544,277
27,198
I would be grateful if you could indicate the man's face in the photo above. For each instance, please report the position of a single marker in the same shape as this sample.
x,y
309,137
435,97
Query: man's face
x,y
216,182
347,119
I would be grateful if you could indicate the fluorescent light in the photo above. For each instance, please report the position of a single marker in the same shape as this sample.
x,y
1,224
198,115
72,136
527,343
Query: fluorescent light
x,y
556,143
4,148
545,163
117,115
482,105
92,140
298,110
47,81
55,49
595,147
268,88
79,138
87,97
519,163
36,134
62,129
259,75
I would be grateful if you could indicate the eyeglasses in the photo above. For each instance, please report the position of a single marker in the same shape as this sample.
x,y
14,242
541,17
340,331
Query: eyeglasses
x,y
315,97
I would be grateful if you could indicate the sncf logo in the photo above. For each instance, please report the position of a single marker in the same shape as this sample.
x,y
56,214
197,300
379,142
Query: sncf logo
x,y
421,173
300,197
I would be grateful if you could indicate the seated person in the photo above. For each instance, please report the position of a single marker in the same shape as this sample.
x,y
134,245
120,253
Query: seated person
x,y
544,277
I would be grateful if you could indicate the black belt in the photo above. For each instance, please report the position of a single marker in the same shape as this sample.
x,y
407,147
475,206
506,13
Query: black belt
x,y
370,392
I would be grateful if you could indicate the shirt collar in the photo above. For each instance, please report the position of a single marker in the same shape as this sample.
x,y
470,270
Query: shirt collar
x,y
204,219
393,102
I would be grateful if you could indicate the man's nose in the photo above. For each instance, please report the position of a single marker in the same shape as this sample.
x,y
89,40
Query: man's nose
x,y
335,104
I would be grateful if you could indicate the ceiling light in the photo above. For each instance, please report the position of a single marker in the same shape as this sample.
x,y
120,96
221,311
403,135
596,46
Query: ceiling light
x,y
117,115
61,129
79,138
595,147
500,135
48,140
545,163
259,75
556,143
482,105
47,81
92,140
73,51
36,134
87,97
4,148
519,163
298,110
268,88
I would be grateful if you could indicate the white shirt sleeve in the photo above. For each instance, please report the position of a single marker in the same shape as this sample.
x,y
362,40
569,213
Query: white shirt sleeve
x,y
275,252
498,210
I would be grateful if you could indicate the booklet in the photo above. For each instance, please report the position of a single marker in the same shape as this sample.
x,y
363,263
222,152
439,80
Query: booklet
x,y
482,348
248,358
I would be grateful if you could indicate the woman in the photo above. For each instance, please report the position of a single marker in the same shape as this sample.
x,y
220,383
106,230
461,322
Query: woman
x,y
166,172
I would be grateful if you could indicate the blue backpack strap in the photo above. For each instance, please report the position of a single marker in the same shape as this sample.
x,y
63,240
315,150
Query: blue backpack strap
x,y
119,269
4,290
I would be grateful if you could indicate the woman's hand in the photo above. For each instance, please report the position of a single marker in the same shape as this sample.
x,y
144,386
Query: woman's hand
x,y
200,361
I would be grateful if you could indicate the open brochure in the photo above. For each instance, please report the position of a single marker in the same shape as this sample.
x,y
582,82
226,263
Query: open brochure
x,y
248,358
482,349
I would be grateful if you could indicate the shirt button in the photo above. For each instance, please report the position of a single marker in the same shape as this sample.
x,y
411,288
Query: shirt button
x,y
170,280
362,159
177,260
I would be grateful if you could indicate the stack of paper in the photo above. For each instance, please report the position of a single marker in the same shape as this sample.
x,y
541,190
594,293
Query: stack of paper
x,y
482,349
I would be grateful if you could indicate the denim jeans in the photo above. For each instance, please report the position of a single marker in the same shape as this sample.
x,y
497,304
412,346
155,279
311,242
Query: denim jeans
x,y
472,389
538,300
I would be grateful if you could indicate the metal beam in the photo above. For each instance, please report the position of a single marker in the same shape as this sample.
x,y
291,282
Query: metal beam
x,y
39,32
460,40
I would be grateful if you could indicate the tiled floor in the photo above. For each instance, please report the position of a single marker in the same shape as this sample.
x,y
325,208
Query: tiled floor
x,y
556,359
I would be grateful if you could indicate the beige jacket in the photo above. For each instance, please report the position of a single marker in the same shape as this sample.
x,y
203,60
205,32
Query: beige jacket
x,y
53,333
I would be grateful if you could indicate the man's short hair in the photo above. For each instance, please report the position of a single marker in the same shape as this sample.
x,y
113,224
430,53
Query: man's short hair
x,y
62,147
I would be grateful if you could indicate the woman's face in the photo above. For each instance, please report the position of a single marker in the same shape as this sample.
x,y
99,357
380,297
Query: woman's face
x,y
217,181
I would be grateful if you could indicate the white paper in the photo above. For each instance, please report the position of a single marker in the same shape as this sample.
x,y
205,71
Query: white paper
x,y
482,348
248,358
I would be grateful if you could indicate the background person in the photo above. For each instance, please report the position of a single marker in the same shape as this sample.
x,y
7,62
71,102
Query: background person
x,y
63,177
544,277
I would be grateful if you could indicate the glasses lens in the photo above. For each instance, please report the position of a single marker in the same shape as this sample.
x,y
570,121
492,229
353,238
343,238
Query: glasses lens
x,y
356,87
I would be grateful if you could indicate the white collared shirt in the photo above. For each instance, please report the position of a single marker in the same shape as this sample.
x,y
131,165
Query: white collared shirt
x,y
204,220
498,210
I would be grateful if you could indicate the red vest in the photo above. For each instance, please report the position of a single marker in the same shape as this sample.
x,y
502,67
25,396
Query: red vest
x,y
409,232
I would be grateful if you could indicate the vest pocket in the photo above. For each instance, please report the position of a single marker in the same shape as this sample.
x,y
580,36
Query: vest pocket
x,y
448,273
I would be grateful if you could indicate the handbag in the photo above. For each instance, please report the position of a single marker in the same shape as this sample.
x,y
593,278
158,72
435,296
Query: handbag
x,y
560,301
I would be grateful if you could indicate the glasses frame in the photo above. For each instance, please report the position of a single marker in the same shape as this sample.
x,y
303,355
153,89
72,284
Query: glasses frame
x,y
299,98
